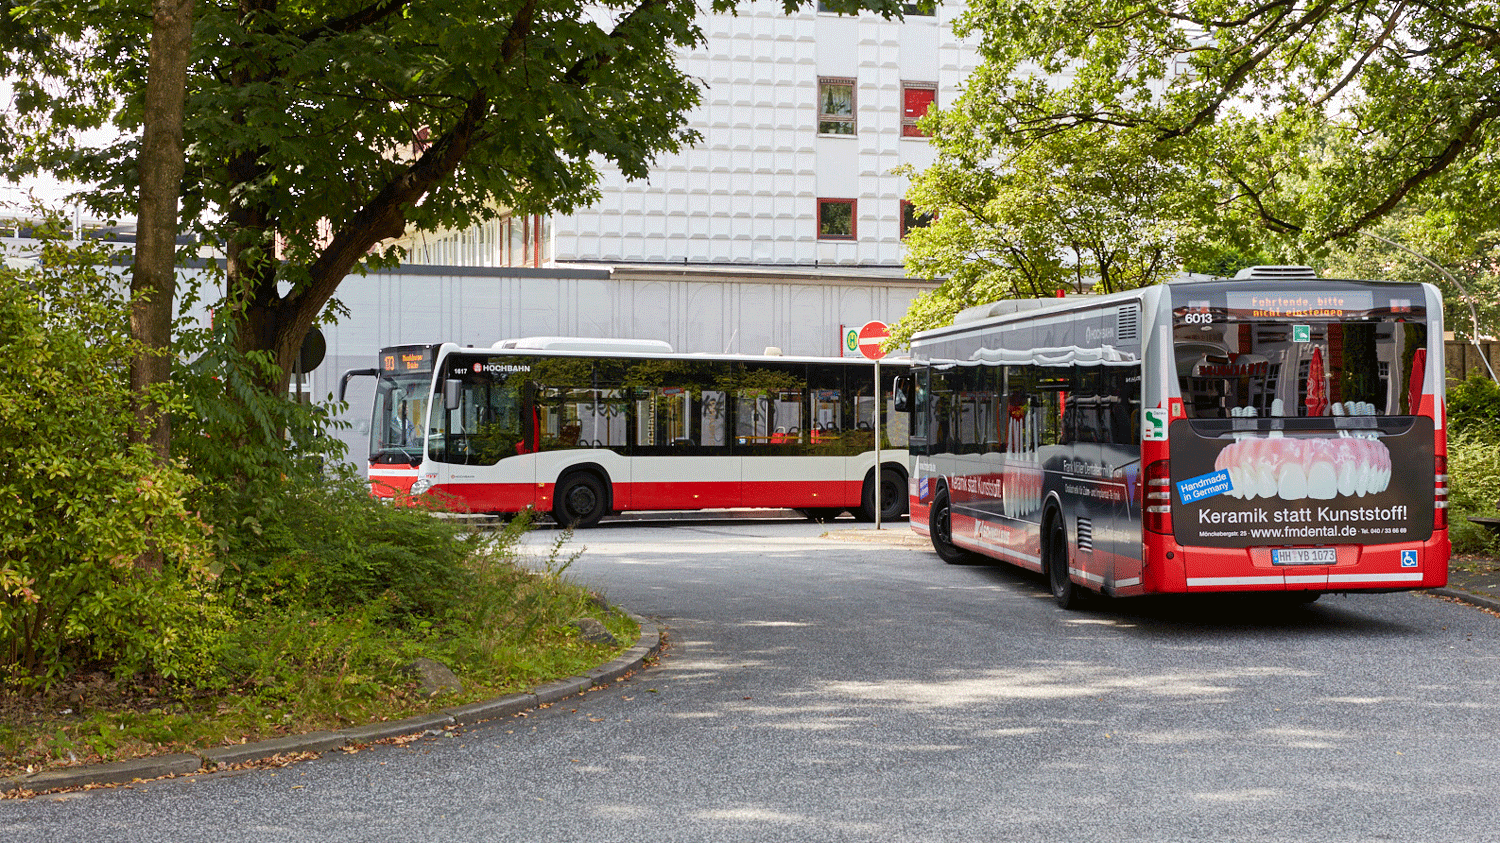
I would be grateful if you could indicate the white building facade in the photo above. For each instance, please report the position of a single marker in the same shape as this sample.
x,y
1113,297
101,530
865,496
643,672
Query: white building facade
x,y
803,119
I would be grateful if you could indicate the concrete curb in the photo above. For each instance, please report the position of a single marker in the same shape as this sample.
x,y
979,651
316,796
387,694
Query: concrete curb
x,y
158,766
1469,597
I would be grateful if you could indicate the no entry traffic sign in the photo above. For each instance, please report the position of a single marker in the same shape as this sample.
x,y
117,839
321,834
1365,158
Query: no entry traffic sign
x,y
870,338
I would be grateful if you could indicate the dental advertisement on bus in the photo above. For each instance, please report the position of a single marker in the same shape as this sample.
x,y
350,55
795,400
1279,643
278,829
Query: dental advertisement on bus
x,y
1302,488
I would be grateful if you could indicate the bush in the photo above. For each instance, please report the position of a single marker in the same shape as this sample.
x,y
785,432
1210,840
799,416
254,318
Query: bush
x,y
1473,489
1473,463
1474,408
78,504
324,543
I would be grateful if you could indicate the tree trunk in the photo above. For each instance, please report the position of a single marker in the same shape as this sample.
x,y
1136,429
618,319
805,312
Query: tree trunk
x,y
153,281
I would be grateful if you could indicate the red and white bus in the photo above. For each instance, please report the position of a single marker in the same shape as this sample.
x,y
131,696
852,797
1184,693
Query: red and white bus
x,y
581,428
1273,432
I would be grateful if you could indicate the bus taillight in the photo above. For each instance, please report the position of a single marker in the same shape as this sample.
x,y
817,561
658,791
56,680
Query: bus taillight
x,y
1440,492
1157,490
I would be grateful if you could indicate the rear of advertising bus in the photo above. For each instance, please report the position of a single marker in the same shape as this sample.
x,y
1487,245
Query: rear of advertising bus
x,y
1303,447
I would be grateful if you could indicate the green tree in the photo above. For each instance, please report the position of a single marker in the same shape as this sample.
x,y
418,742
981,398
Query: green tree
x,y
316,132
1280,128
1326,116
1099,210
1468,257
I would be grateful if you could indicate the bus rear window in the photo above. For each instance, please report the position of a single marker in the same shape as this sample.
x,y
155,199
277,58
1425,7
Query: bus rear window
x,y
1300,368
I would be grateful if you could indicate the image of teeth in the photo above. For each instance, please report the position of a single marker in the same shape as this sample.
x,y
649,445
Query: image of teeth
x,y
1293,469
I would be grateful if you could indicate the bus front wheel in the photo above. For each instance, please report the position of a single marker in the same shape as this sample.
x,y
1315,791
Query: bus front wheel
x,y
820,513
940,527
579,501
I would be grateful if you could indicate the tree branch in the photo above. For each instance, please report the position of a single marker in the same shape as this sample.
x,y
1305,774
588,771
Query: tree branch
x,y
586,65
361,18
1456,146
384,216
1360,63
1241,72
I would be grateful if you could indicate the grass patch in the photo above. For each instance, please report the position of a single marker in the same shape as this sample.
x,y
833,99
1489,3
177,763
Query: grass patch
x,y
290,667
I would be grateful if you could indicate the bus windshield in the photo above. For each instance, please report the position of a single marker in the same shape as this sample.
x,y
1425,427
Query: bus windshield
x,y
397,431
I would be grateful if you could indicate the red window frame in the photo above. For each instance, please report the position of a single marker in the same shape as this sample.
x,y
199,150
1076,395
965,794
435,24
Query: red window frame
x,y
906,209
916,99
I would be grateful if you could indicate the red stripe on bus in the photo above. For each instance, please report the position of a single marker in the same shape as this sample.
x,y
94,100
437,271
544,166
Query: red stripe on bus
x,y
772,494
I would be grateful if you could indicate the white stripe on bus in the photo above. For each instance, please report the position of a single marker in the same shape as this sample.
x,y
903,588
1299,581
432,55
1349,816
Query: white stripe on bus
x,y
1415,576
1330,579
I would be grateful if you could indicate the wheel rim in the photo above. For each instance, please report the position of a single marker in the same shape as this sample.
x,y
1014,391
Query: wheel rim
x,y
582,500
942,523
888,498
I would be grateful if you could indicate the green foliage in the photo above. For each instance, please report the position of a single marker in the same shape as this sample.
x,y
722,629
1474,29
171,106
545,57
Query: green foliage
x,y
1467,254
1473,463
317,135
323,543
1473,489
295,666
1474,409
78,504
1100,136
1096,210
1311,122
291,530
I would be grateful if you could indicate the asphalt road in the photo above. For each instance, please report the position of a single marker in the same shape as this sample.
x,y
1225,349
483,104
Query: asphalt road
x,y
829,689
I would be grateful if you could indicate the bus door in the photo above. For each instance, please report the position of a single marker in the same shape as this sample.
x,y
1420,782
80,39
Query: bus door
x,y
479,436
680,448
1120,414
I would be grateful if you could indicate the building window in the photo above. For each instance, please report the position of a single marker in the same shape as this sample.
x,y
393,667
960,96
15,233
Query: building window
x,y
916,98
910,219
835,106
920,9
836,219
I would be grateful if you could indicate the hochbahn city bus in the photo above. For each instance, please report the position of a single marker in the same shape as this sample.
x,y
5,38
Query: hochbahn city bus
x,y
1274,432
581,428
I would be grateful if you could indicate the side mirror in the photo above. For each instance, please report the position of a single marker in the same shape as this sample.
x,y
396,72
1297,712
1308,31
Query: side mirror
x,y
452,389
901,393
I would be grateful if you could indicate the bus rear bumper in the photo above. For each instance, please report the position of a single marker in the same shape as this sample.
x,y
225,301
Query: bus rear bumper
x,y
1388,567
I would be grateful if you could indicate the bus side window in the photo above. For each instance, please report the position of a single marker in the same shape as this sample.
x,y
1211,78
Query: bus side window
x,y
713,412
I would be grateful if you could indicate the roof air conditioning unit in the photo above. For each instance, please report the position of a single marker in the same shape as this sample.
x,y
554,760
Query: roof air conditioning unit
x,y
1280,273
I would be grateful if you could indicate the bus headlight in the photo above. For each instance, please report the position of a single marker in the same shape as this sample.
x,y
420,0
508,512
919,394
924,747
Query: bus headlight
x,y
422,485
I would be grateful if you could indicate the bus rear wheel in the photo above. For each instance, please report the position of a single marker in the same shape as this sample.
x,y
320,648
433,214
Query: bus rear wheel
x,y
940,527
892,488
1064,591
579,501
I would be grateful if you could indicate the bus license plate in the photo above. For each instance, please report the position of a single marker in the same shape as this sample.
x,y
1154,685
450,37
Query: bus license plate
x,y
1304,556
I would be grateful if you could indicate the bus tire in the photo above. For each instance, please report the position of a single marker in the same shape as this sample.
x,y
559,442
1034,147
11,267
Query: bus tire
x,y
940,528
579,501
820,513
892,496
1064,591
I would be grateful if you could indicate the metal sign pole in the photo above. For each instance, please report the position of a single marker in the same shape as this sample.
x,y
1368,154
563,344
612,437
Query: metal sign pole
x,y
879,503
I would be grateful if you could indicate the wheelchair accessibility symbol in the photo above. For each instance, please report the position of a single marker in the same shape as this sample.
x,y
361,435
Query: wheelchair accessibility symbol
x,y
1408,559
